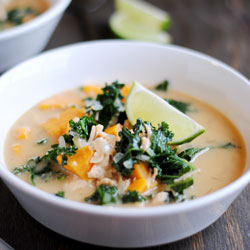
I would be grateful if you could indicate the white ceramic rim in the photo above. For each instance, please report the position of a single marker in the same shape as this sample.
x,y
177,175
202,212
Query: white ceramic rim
x,y
54,10
110,211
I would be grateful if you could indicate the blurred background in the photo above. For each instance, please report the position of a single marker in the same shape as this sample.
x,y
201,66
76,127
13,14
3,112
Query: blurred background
x,y
220,28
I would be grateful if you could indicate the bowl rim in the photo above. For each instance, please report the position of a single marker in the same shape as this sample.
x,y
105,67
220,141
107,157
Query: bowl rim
x,y
126,212
58,7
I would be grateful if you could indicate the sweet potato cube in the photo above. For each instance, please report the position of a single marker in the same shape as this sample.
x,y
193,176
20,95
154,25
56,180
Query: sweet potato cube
x,y
23,133
125,91
60,125
140,171
59,101
79,163
139,185
114,130
89,89
17,148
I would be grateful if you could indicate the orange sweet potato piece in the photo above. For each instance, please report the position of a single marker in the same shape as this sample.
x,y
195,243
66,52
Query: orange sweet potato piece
x,y
23,133
92,89
114,130
17,148
125,91
61,101
79,163
60,125
141,171
139,185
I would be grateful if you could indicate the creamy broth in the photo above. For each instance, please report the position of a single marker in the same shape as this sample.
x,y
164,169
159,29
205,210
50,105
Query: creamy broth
x,y
15,12
218,166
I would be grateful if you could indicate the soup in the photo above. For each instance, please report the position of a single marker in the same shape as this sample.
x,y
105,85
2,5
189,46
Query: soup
x,y
80,145
16,12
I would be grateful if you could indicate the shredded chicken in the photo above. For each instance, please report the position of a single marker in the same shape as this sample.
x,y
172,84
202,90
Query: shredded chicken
x,y
106,181
145,143
123,185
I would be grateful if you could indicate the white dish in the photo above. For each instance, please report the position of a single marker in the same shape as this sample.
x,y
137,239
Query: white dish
x,y
95,62
23,41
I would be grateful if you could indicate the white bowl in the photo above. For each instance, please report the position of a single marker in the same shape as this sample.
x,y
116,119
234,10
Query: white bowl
x,y
97,62
26,40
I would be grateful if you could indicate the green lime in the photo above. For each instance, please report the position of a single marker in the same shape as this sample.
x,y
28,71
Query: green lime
x,y
125,27
143,12
142,103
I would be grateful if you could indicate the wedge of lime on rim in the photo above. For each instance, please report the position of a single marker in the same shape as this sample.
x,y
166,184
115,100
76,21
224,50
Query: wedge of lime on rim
x,y
142,103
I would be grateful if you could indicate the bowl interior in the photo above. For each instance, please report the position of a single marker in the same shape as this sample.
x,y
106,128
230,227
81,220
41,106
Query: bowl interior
x,y
98,62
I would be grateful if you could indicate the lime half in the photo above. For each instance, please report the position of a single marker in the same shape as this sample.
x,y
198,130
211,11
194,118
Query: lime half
x,y
125,27
144,12
142,103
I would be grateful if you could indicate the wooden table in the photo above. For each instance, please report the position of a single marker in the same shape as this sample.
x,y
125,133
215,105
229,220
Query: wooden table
x,y
220,28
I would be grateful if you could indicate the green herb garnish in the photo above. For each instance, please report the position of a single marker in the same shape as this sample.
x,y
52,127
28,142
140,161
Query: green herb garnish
x,y
163,86
60,194
82,127
103,195
131,197
107,107
16,15
181,106
42,142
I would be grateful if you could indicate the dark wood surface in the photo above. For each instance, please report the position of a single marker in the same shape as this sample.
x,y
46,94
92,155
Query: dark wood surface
x,y
220,28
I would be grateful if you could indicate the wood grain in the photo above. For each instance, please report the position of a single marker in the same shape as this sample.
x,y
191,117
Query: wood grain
x,y
220,28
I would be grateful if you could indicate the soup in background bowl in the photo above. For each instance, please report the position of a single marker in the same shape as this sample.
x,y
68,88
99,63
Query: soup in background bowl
x,y
189,72
16,12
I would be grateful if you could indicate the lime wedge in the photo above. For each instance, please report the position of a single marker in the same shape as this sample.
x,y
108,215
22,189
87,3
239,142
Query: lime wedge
x,y
125,27
145,13
142,103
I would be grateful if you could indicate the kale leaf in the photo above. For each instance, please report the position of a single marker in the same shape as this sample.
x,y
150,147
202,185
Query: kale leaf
x,y
190,153
128,148
180,186
181,106
60,194
103,195
163,86
160,137
226,146
42,141
82,127
108,107
160,155
16,15
131,197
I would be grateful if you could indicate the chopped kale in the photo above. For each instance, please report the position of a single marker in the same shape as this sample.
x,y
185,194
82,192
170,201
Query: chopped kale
x,y
163,86
226,146
128,148
131,197
60,194
169,165
181,106
190,153
27,169
160,137
42,142
16,15
180,186
56,150
46,165
103,195
108,106
82,127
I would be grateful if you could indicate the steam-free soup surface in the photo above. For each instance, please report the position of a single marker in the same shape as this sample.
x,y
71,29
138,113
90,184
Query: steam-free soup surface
x,y
16,12
218,166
